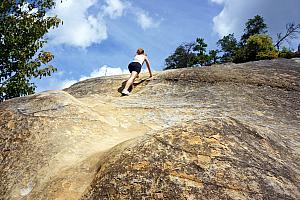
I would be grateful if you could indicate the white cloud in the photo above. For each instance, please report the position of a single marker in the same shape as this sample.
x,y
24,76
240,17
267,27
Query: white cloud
x,y
57,83
79,28
84,21
114,8
145,21
66,83
218,1
236,12
104,71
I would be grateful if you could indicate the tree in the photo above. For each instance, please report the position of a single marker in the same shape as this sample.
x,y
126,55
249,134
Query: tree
x,y
257,47
240,55
182,57
254,26
285,53
229,46
200,46
23,24
200,49
291,33
260,47
213,56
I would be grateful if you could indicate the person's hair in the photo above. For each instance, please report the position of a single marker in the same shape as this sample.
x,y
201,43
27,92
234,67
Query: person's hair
x,y
140,51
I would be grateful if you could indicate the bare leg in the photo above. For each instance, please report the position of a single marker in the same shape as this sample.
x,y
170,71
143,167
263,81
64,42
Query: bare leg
x,y
130,81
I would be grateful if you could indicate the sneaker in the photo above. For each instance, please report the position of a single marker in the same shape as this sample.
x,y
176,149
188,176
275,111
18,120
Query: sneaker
x,y
125,92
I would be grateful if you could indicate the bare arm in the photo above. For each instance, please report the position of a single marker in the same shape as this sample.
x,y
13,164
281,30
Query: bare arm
x,y
148,65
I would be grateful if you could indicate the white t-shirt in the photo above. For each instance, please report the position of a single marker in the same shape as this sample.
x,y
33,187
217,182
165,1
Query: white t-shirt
x,y
139,58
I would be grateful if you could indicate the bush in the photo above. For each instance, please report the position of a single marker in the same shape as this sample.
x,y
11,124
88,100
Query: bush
x,y
240,55
267,55
259,47
286,53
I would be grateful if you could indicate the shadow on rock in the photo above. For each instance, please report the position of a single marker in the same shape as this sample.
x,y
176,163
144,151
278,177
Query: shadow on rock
x,y
135,84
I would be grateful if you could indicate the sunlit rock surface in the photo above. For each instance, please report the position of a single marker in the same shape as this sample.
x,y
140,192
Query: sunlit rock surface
x,y
218,132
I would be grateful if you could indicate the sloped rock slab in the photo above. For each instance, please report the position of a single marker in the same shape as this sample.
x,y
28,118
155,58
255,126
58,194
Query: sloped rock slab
x,y
211,159
52,143
40,135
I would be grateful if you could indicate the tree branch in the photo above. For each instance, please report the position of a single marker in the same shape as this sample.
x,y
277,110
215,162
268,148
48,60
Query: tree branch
x,y
291,31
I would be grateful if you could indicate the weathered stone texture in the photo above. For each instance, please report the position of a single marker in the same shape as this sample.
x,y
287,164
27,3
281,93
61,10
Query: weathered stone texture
x,y
219,132
210,159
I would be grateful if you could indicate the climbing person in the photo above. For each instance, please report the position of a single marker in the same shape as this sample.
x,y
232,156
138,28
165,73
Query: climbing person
x,y
135,68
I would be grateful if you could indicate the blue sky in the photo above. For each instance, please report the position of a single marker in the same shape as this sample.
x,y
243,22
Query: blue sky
x,y
100,37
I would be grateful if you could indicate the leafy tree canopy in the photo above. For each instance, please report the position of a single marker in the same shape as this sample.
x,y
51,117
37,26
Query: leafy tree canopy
x,y
257,47
213,56
228,45
255,44
23,24
200,49
285,53
182,57
200,46
255,25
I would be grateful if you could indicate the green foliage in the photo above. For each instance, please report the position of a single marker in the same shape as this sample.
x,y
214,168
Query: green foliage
x,y
255,44
213,56
258,47
23,25
200,50
240,55
200,46
203,59
286,53
182,57
191,54
254,26
229,46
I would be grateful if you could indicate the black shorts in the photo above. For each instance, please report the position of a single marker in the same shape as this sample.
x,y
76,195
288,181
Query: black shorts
x,y
135,66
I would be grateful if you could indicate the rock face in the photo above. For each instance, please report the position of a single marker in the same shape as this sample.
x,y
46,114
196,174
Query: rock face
x,y
219,132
